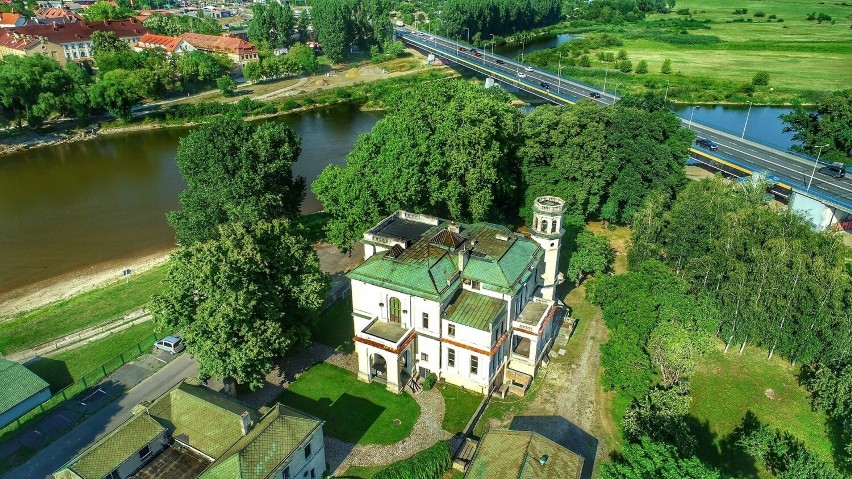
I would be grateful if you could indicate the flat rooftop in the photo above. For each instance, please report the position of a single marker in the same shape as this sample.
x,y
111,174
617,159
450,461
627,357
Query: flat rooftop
x,y
532,313
388,331
402,229
173,463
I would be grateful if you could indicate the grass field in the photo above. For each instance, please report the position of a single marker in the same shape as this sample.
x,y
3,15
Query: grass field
x,y
80,312
459,406
354,411
335,327
715,56
726,386
65,368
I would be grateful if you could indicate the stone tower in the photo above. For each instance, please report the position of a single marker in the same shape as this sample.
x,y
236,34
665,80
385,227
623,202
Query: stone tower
x,y
547,231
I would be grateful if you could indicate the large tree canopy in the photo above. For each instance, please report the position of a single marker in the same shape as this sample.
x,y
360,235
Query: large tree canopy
x,y
830,125
33,87
340,23
446,148
602,161
236,171
242,299
272,25
498,17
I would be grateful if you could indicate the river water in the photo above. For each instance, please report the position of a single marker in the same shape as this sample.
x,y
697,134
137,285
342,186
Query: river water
x,y
67,207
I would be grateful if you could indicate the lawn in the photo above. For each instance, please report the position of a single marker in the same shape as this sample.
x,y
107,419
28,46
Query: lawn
x,y
80,312
459,406
354,411
335,327
65,368
726,386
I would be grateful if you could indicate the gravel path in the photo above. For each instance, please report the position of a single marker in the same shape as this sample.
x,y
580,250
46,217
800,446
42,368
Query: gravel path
x,y
427,431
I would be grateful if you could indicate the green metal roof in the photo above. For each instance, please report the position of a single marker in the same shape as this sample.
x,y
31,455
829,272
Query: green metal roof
x,y
206,420
500,264
17,384
271,442
115,448
426,276
475,310
506,454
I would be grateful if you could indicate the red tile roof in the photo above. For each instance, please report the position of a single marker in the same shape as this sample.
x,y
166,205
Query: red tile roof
x,y
9,18
150,40
219,44
17,42
56,13
82,31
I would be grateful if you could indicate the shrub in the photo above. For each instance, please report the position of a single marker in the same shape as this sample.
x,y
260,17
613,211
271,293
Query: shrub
x,y
759,14
823,18
625,66
585,61
642,67
747,88
683,11
666,69
740,11
622,55
773,16
429,463
429,381
609,57
227,85
760,78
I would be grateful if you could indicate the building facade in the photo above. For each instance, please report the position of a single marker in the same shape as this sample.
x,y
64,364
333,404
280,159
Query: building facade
x,y
473,304
74,40
21,391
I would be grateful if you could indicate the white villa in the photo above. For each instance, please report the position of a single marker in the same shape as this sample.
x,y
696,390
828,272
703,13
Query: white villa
x,y
473,304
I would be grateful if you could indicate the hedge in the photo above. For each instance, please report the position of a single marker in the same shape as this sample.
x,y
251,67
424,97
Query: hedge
x,y
429,463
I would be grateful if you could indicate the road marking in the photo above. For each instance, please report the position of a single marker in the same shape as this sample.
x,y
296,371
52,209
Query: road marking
x,y
161,360
98,390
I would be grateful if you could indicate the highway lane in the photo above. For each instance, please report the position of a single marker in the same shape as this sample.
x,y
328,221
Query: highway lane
x,y
779,165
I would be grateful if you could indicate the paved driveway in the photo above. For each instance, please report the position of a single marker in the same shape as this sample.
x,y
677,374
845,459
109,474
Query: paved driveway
x,y
43,464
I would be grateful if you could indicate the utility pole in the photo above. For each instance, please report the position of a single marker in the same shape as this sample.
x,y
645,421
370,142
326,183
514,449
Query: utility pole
x,y
816,163
746,122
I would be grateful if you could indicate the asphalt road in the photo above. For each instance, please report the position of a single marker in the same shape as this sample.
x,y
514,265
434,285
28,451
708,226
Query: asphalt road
x,y
784,166
55,455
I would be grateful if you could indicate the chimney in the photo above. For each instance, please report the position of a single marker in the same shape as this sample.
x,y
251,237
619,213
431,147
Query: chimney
x,y
453,228
464,254
245,422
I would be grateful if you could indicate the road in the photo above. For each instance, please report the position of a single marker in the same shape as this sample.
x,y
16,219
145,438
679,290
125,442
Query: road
x,y
782,166
55,455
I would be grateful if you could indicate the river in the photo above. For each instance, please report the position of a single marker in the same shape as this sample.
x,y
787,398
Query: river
x,y
68,207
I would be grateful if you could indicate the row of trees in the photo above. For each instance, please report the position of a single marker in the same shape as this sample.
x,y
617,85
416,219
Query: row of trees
x,y
34,88
174,25
340,23
245,286
298,60
776,282
827,127
498,17
459,150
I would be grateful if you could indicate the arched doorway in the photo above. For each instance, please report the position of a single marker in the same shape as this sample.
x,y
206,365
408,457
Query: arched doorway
x,y
378,367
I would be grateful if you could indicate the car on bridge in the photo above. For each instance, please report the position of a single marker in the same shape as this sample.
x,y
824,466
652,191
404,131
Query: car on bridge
x,y
521,75
500,62
545,85
594,94
707,143
477,54
462,49
835,170
529,69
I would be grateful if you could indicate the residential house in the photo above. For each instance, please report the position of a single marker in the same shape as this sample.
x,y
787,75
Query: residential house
x,y
48,15
75,39
193,432
238,50
167,43
11,19
504,454
21,45
472,303
22,391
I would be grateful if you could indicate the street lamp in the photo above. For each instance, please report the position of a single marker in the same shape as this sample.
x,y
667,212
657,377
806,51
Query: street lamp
x,y
689,127
616,88
816,163
559,74
605,75
746,122
666,97
523,39
468,34
492,44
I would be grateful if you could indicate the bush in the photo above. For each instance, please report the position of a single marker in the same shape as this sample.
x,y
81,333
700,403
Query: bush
x,y
760,78
429,381
683,11
625,66
622,55
740,11
429,463
585,61
823,18
773,16
759,14
227,85
666,69
642,67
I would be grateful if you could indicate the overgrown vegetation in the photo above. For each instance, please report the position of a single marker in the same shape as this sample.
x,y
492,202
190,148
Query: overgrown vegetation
x,y
429,463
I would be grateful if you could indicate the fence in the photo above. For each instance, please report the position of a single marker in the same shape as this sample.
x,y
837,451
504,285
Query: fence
x,y
82,384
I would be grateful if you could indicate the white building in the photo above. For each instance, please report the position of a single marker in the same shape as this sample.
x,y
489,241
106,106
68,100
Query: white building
x,y
472,303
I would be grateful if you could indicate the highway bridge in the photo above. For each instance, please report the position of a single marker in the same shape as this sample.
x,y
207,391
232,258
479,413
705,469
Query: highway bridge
x,y
791,174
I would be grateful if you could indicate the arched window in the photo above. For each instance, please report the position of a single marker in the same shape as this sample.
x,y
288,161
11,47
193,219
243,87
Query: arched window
x,y
535,225
395,310
553,227
544,226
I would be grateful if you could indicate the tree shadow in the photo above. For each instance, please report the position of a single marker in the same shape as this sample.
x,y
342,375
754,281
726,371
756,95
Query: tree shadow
x,y
348,418
722,453
565,433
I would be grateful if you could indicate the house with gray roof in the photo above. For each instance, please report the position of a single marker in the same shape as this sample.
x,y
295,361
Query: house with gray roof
x,y
472,303
193,432
506,454
22,391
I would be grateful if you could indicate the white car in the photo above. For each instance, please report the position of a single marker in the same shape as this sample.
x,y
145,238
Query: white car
x,y
170,344
529,69
522,75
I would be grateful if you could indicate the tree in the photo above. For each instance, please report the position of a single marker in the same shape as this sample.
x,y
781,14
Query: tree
x,y
332,22
227,85
642,67
240,300
760,78
304,59
829,125
105,10
660,416
674,350
626,66
200,67
585,61
447,148
174,25
593,255
32,88
666,69
649,459
830,386
118,91
253,71
236,171
111,53
622,55
272,25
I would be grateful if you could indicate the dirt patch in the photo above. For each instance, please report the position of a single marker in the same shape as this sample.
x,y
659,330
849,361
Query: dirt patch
x,y
770,393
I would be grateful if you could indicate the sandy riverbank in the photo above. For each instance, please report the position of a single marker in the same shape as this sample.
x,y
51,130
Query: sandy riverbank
x,y
62,287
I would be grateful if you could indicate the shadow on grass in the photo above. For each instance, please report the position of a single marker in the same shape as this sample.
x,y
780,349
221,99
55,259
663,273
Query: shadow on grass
x,y
54,372
565,433
722,453
347,419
